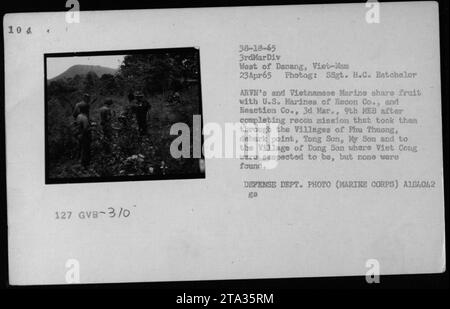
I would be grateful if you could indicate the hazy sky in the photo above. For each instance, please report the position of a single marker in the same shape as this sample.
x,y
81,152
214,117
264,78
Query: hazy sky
x,y
57,65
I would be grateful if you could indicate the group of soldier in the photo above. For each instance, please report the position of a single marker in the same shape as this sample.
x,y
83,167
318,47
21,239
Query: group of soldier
x,y
137,106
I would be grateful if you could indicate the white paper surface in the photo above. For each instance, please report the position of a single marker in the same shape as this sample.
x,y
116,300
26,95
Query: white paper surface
x,y
204,229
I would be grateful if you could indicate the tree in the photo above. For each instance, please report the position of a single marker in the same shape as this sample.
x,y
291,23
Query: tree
x,y
108,84
156,73
90,82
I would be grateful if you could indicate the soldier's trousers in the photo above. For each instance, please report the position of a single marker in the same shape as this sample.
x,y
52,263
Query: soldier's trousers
x,y
85,150
107,137
142,124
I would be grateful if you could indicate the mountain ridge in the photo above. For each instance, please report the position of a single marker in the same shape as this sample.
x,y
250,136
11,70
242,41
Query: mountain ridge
x,y
82,69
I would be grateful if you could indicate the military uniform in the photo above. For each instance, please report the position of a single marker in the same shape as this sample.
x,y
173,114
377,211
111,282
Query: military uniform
x,y
78,107
106,115
84,138
140,107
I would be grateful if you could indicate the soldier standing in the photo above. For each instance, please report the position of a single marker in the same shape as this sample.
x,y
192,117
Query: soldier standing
x,y
84,134
85,102
106,115
141,107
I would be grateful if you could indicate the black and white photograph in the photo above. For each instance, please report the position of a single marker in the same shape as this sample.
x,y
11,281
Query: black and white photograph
x,y
109,114
226,153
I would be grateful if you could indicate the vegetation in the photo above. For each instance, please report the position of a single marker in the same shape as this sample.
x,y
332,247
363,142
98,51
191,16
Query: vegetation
x,y
128,154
